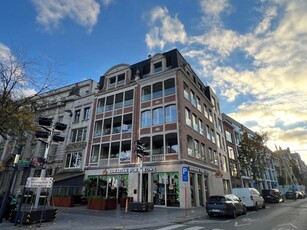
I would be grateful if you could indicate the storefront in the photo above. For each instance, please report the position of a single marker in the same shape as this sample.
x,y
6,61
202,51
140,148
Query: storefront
x,y
164,185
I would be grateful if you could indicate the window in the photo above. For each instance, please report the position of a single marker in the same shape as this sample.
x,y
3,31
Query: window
x,y
128,98
78,135
225,164
218,141
228,136
121,79
213,136
186,92
94,155
233,169
98,128
105,151
157,116
77,115
146,118
119,100
157,144
196,149
109,104
107,126
195,122
158,67
215,156
231,153
125,153
190,146
206,113
100,105
188,120
117,121
203,152
114,150
211,157
208,133
146,93
210,116
201,129
87,112
112,82
171,143
198,104
193,98
127,123
170,113
169,87
73,160
157,90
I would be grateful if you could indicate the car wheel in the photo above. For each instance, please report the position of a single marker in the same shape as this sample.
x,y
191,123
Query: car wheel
x,y
256,207
210,214
263,206
234,214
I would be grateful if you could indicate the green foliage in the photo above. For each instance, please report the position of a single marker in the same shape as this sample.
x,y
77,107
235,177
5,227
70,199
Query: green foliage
x,y
296,171
252,154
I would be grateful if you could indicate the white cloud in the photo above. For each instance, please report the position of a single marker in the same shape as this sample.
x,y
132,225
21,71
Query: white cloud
x,y
82,12
164,29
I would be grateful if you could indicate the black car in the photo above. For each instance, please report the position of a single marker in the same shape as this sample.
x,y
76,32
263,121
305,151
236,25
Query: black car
x,y
272,196
225,205
291,195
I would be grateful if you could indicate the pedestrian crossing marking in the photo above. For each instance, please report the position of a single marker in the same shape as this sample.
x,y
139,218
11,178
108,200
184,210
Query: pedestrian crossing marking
x,y
172,227
179,226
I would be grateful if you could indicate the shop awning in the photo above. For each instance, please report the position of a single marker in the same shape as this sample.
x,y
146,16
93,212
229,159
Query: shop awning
x,y
71,176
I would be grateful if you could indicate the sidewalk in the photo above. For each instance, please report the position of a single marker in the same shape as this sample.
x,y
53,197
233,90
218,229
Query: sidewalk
x,y
81,218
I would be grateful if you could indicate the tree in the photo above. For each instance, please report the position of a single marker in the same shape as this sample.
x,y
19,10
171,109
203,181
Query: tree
x,y
22,80
252,154
296,171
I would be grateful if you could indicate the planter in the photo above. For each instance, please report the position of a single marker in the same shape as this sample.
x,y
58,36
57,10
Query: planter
x,y
141,207
101,204
36,216
63,201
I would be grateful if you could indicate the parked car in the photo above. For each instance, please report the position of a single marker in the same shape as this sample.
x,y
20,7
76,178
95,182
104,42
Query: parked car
x,y
300,194
272,196
225,205
291,195
250,197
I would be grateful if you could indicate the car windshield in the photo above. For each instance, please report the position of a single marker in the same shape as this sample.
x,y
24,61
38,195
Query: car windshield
x,y
217,199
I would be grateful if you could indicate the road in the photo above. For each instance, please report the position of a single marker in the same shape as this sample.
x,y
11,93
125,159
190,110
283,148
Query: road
x,y
290,215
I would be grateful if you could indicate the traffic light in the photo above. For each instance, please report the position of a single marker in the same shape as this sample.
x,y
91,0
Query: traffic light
x,y
41,134
57,138
60,126
44,121
140,149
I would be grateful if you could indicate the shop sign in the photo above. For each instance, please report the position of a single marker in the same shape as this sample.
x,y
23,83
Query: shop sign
x,y
39,182
199,170
128,170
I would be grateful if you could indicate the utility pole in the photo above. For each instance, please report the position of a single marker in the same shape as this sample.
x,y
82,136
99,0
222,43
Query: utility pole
x,y
10,183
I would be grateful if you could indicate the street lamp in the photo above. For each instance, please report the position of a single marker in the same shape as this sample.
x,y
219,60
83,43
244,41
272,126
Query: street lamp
x,y
10,182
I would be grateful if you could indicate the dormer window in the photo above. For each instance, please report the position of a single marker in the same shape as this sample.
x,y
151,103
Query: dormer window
x,y
158,67
116,81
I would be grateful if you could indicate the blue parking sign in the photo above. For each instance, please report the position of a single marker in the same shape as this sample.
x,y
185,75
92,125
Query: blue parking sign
x,y
185,174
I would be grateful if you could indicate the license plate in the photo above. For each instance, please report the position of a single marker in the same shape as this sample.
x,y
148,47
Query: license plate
x,y
216,210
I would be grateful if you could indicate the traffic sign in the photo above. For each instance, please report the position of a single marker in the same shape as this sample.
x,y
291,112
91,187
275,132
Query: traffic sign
x,y
39,182
185,174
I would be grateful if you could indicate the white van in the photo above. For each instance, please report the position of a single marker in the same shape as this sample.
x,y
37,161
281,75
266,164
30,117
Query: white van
x,y
250,196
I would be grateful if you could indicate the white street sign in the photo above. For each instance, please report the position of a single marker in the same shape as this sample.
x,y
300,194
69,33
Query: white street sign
x,y
39,182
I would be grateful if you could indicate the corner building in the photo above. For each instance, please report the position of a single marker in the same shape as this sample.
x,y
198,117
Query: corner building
x,y
162,102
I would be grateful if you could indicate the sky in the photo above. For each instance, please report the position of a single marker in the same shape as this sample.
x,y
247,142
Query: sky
x,y
253,53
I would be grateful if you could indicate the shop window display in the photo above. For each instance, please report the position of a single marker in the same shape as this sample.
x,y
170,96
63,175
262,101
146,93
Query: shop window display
x,y
166,189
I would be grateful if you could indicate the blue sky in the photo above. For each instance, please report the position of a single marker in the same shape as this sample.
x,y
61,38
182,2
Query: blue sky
x,y
252,53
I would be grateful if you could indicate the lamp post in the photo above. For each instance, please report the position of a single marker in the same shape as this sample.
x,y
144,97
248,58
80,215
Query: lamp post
x,y
10,183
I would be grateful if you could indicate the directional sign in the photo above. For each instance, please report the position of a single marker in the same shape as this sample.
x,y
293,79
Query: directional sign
x,y
39,182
